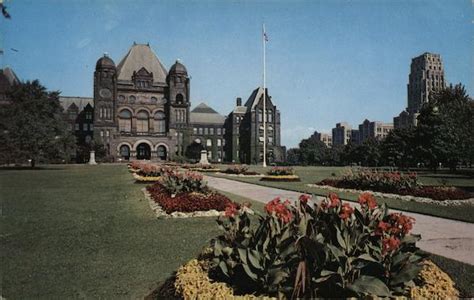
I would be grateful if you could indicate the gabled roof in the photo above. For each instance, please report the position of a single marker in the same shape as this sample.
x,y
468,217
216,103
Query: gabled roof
x,y
80,102
203,114
141,56
254,98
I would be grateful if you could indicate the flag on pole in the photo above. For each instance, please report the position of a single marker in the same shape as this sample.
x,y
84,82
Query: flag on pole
x,y
265,36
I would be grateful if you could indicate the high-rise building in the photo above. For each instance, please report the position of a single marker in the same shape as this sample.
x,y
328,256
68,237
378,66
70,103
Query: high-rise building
x,y
326,138
426,76
341,134
375,130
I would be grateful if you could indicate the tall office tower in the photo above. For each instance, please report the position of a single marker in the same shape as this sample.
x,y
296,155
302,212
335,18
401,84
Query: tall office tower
x,y
426,76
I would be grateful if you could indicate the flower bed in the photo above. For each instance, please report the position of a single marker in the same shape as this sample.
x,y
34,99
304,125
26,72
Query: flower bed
x,y
240,170
285,174
177,193
145,179
395,183
309,250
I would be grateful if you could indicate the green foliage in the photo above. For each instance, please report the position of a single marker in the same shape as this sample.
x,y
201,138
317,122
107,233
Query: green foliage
x,y
281,171
33,127
325,250
176,182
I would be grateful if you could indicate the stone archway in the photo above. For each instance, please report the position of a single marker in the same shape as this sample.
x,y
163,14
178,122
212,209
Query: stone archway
x,y
143,151
162,152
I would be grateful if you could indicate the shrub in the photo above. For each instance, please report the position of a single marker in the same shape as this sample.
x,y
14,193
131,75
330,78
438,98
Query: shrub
x,y
281,171
325,250
187,202
176,182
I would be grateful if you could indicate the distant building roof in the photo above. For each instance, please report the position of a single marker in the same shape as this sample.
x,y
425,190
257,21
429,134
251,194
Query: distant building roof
x,y
203,114
141,56
240,109
80,102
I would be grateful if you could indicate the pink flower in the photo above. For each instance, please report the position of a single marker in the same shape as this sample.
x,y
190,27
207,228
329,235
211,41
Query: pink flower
x,y
231,210
346,211
367,199
304,198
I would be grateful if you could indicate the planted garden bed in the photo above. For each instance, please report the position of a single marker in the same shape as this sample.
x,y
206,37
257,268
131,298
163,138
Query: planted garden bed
x,y
185,195
307,251
149,173
241,171
394,183
283,174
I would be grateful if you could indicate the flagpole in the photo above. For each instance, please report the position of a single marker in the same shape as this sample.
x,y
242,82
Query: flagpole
x,y
264,103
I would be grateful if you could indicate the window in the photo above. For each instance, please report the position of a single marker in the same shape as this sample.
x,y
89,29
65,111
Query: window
x,y
125,152
209,142
219,131
76,126
206,130
260,116
101,133
159,122
142,121
84,127
211,130
132,99
219,142
88,115
72,115
101,112
270,140
91,127
179,99
154,100
107,133
125,121
200,130
121,98
270,116
195,130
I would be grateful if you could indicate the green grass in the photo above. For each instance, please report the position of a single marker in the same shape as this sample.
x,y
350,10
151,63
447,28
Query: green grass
x,y
86,231
464,212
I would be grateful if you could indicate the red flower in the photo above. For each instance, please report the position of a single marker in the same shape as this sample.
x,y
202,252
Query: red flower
x,y
334,198
367,199
279,209
401,223
231,210
382,227
346,211
390,244
304,198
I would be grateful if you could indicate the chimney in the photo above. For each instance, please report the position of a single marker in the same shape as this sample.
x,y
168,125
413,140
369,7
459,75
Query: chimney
x,y
238,101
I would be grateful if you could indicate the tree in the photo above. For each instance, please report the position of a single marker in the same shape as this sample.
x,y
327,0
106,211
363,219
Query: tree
x,y
445,127
398,148
33,126
293,156
312,150
193,151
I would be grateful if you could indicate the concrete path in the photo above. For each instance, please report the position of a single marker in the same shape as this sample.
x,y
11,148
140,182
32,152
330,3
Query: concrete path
x,y
448,238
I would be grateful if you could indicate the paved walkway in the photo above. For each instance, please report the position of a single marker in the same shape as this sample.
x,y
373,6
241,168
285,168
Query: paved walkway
x,y
448,238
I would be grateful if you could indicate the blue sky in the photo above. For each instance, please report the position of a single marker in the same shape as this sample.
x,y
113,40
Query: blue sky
x,y
327,61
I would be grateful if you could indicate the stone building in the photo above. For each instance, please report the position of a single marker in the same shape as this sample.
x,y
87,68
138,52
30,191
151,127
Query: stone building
x,y
326,138
245,130
376,130
142,111
426,76
341,134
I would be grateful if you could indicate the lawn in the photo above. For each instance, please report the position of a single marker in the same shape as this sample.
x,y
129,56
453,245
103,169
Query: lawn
x,y
312,174
86,231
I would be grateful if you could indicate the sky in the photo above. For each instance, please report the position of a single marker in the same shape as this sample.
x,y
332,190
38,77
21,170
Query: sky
x,y
327,61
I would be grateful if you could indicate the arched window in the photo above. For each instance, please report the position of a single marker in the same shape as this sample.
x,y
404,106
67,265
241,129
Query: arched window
x,y
179,99
159,122
125,121
125,152
142,121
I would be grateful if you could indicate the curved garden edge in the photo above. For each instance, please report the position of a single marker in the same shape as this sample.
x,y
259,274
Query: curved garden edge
x,y
398,197
161,214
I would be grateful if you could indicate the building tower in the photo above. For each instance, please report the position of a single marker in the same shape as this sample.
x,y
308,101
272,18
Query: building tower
x,y
179,103
426,76
105,91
